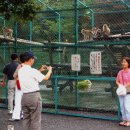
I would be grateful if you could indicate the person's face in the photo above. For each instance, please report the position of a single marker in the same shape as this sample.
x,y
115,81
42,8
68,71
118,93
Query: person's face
x,y
32,61
125,64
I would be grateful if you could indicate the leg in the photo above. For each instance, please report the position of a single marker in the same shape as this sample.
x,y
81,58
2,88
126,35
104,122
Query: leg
x,y
26,113
36,114
32,107
122,107
11,91
17,107
127,107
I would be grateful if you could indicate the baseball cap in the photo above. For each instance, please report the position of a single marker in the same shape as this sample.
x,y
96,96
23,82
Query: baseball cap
x,y
30,54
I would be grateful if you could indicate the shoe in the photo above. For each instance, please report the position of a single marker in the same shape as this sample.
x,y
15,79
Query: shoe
x,y
127,124
22,116
122,123
10,112
11,119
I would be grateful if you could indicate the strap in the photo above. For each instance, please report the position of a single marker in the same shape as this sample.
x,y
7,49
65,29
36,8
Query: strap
x,y
17,81
122,78
18,84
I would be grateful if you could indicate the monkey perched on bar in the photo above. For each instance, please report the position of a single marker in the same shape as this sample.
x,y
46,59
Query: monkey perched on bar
x,y
87,34
106,30
97,32
7,32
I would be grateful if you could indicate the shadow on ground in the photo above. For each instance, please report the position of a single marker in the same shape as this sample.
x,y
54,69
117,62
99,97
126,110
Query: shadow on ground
x,y
58,122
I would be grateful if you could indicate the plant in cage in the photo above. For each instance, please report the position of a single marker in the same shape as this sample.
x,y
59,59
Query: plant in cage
x,y
84,85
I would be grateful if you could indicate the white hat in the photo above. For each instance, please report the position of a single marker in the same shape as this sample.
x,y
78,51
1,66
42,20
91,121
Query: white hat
x,y
121,90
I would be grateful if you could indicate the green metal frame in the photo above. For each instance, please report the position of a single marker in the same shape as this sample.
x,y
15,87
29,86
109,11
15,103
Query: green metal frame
x,y
76,45
58,78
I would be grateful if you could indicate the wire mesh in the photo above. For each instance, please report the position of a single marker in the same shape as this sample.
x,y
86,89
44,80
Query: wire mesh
x,y
52,37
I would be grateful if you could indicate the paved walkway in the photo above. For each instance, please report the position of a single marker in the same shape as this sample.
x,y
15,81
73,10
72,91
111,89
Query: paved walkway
x,y
58,122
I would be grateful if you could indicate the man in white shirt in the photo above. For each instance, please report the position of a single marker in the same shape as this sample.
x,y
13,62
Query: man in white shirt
x,y
29,79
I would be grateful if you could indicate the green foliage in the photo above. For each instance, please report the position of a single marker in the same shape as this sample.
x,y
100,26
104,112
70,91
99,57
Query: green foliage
x,y
84,85
20,10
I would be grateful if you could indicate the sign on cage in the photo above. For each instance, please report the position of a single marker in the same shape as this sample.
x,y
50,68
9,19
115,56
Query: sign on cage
x,y
95,62
75,62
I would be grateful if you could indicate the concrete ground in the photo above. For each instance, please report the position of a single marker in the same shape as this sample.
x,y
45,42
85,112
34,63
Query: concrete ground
x,y
58,122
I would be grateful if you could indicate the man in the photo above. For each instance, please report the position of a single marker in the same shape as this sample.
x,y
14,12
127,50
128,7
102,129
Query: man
x,y
8,71
17,113
29,79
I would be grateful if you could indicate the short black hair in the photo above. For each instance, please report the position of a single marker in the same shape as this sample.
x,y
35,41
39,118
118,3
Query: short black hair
x,y
14,56
22,58
26,56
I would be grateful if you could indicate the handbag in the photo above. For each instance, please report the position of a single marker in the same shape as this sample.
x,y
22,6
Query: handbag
x,y
121,90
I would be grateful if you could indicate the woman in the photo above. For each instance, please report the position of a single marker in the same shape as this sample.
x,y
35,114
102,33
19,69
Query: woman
x,y
123,78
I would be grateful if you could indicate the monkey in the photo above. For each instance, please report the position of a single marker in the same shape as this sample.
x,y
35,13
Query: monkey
x,y
106,30
97,32
7,32
87,34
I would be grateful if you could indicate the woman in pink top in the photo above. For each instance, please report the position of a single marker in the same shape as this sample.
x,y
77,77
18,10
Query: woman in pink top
x,y
123,78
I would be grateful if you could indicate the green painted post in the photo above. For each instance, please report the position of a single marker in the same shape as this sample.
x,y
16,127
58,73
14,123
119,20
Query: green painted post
x,y
6,94
4,22
76,21
56,95
59,32
76,47
93,19
119,111
30,31
59,27
4,53
16,34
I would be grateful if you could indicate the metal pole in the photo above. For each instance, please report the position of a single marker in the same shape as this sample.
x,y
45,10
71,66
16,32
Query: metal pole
x,y
30,35
76,48
16,34
4,22
30,30
119,111
76,22
93,19
59,32
56,95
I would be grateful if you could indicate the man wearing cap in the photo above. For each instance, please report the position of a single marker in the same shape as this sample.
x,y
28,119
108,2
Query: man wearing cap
x,y
8,71
29,79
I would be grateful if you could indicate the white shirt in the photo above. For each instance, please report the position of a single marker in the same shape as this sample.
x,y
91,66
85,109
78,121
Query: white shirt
x,y
29,79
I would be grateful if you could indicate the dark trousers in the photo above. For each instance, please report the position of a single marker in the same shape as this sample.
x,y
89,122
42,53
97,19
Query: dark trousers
x,y
32,107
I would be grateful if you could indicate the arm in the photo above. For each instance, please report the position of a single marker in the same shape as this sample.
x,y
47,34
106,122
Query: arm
x,y
4,80
44,67
117,82
118,78
48,75
15,75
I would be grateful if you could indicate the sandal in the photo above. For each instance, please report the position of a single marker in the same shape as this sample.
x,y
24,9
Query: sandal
x,y
122,123
127,124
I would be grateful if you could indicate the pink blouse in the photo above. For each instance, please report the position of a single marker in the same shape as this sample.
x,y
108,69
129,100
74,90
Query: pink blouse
x,y
123,77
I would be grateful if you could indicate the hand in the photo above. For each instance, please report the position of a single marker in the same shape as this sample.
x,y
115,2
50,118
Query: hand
x,y
44,67
3,84
49,68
